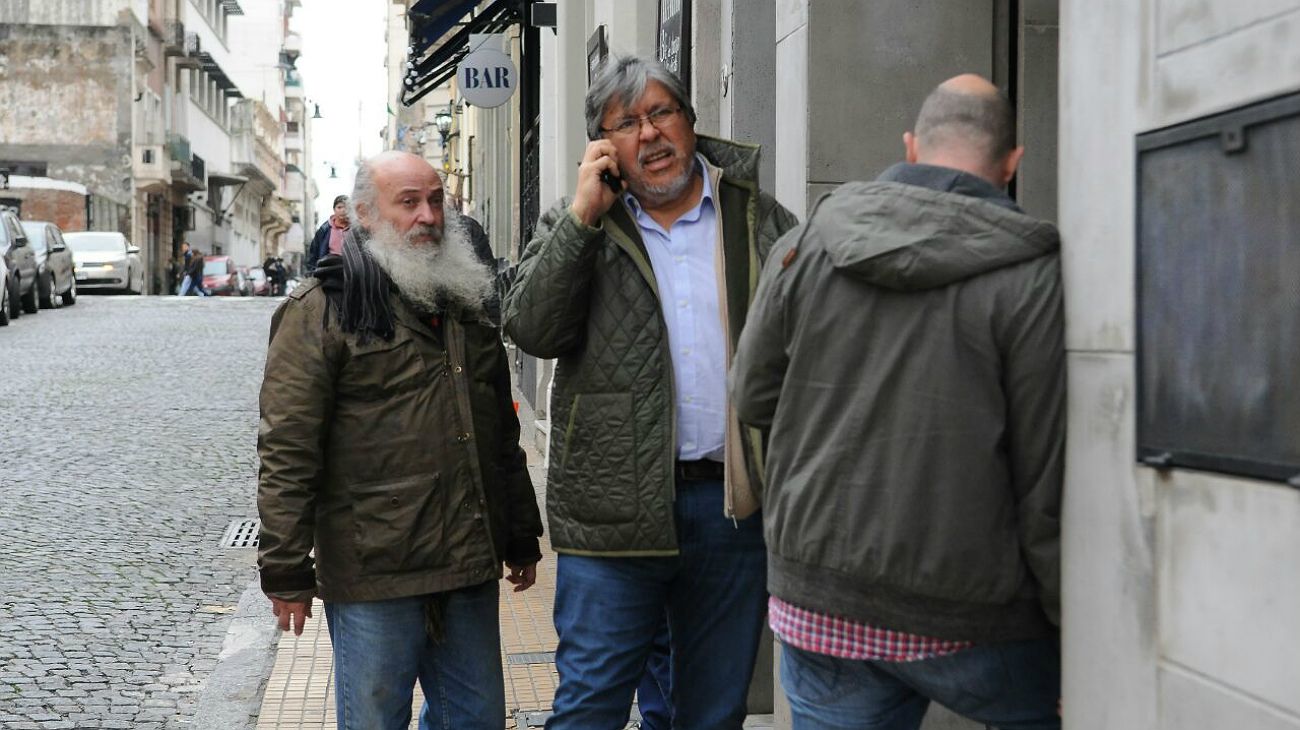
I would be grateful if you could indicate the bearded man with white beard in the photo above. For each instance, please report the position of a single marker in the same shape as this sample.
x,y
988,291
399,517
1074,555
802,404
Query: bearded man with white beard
x,y
392,484
638,285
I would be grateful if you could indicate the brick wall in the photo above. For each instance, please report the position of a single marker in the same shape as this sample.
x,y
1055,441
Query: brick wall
x,y
64,208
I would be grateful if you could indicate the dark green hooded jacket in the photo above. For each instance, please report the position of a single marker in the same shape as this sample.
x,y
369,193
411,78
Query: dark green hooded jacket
x,y
905,350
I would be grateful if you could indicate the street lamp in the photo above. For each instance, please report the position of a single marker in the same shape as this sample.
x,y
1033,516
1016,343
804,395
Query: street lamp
x,y
442,120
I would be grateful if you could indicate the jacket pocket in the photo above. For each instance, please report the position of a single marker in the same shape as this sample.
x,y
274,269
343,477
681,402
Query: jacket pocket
x,y
382,368
598,462
399,524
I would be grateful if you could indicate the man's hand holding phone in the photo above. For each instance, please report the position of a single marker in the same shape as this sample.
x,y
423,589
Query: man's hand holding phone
x,y
599,183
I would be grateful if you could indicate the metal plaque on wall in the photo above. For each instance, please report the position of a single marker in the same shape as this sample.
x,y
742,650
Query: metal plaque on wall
x,y
674,39
1218,300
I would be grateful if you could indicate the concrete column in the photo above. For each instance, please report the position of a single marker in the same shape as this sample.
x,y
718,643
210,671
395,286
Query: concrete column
x,y
571,85
630,25
706,64
748,80
1037,107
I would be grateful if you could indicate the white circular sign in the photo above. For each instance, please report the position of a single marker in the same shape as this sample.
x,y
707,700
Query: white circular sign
x,y
487,78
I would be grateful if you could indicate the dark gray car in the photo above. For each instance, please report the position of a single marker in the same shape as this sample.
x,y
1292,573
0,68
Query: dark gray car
x,y
19,264
56,284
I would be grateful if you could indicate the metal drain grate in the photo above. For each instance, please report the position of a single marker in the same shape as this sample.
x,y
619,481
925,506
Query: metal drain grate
x,y
537,657
241,534
531,719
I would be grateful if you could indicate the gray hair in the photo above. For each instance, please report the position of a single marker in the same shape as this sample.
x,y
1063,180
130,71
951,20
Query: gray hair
x,y
364,192
624,79
983,123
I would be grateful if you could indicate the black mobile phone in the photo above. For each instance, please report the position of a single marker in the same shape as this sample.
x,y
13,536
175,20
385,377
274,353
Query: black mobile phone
x,y
614,182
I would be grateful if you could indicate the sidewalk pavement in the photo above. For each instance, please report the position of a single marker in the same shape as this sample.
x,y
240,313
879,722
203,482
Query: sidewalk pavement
x,y
299,694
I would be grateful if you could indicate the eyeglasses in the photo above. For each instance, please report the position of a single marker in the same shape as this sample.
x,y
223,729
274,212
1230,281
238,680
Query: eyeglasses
x,y
658,118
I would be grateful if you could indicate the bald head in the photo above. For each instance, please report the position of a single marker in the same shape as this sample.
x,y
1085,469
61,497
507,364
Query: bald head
x,y
400,189
968,124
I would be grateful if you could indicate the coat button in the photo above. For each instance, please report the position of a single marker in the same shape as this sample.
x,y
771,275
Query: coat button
x,y
393,501
457,368
463,438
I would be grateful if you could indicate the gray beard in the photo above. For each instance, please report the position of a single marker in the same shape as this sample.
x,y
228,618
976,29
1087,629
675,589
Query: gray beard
x,y
435,274
655,195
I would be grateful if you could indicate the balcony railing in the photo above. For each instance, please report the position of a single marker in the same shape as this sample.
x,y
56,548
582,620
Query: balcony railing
x,y
191,46
173,38
179,148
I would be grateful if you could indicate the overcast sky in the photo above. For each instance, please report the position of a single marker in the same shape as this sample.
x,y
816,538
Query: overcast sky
x,y
342,67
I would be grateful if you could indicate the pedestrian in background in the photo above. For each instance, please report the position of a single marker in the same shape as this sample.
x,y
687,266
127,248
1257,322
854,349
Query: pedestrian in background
x,y
392,483
181,269
638,286
905,352
193,281
328,240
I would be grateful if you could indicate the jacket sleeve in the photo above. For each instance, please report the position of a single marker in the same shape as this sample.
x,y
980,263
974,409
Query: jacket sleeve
x,y
773,222
525,519
297,400
545,310
759,365
1034,381
314,250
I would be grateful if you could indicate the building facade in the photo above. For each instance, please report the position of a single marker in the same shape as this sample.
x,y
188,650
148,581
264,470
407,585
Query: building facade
x,y
1179,595
139,102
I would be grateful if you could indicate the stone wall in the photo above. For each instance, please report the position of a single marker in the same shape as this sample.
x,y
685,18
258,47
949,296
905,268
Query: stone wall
x,y
65,101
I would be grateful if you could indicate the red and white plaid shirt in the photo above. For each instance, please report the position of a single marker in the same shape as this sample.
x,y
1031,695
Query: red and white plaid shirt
x,y
846,639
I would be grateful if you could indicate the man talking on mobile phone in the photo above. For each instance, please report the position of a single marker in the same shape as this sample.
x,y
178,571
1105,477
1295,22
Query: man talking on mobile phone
x,y
638,286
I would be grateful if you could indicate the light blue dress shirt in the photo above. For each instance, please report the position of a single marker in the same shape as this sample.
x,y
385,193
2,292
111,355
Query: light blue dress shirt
x,y
683,262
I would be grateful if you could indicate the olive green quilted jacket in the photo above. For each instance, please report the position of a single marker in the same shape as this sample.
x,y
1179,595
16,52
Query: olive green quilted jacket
x,y
587,297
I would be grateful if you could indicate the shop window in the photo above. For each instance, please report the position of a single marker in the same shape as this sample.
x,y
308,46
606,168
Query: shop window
x,y
1218,277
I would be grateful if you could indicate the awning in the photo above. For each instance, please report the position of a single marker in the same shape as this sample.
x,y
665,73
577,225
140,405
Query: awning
x,y
210,67
431,19
220,179
434,67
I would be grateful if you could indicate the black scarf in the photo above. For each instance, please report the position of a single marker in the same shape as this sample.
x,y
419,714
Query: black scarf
x,y
357,289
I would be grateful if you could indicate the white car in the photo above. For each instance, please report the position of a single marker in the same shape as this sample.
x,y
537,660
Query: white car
x,y
106,260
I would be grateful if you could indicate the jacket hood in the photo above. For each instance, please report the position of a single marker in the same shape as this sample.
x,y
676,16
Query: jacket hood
x,y
911,237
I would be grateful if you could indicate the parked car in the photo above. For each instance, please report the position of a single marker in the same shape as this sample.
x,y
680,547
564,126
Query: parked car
x,y
245,282
54,267
261,284
105,260
220,277
19,268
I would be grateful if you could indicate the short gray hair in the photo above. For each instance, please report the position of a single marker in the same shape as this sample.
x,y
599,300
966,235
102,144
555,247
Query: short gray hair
x,y
983,123
364,191
624,79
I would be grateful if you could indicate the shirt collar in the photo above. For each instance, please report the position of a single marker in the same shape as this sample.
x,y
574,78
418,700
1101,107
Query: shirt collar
x,y
689,216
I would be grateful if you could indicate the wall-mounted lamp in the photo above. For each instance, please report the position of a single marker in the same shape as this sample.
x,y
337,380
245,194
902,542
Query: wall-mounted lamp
x,y
442,121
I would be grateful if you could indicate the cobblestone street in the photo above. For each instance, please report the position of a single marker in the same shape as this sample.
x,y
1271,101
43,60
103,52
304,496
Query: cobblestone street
x,y
127,433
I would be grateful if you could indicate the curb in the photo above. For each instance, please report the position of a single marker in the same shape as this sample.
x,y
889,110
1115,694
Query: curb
x,y
232,696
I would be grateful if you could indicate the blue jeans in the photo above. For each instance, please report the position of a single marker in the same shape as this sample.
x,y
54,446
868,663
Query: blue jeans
x,y
1009,685
655,688
381,649
188,284
608,610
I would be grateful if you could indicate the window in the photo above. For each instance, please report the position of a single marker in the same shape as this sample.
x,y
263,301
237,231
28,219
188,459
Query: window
x,y
1218,275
